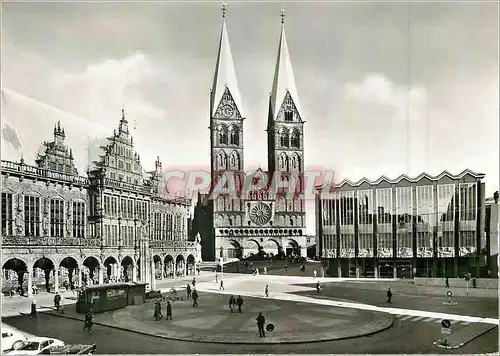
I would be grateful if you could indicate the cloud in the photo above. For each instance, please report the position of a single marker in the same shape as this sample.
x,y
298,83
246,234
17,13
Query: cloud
x,y
104,88
378,95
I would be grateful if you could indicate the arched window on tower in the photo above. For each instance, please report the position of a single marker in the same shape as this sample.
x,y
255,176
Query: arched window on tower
x,y
234,161
284,138
295,162
222,135
295,139
222,160
234,136
289,115
283,162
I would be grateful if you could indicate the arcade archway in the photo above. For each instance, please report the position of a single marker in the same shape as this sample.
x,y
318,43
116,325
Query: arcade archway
x,y
42,269
292,248
90,268
180,265
127,265
191,265
67,269
14,271
157,262
111,269
234,250
168,266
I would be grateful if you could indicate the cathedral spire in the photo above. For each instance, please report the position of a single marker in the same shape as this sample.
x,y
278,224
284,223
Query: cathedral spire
x,y
225,74
284,80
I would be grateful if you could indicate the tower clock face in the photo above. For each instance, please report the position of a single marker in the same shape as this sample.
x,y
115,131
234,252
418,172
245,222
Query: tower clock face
x,y
227,110
260,214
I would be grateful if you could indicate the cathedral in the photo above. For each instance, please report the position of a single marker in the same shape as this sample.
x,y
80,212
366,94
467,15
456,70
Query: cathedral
x,y
261,221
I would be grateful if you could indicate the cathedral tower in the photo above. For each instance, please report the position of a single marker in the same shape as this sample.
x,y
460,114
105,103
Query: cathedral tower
x,y
285,127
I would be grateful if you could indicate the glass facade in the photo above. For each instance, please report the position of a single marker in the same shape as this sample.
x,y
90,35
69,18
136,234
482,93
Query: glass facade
x,y
384,223
365,223
467,215
347,241
421,227
426,221
404,222
446,223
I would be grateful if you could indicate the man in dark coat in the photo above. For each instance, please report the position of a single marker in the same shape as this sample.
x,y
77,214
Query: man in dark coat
x,y
389,296
318,287
194,282
188,290
221,285
232,302
239,301
89,321
57,301
169,310
261,321
33,313
447,283
195,298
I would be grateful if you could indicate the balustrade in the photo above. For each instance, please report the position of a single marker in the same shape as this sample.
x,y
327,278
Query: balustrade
x,y
14,167
49,241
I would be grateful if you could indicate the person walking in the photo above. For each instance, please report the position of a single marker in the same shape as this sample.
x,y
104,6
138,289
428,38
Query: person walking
x,y
195,298
447,283
267,291
261,321
156,314
239,301
315,273
194,282
61,303
33,313
216,277
188,291
169,310
89,321
221,285
57,301
389,296
318,287
232,303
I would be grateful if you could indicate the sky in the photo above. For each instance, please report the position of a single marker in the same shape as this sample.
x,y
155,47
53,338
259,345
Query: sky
x,y
385,88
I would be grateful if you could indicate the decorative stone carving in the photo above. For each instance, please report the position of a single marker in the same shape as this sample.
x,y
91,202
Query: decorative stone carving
x,y
45,224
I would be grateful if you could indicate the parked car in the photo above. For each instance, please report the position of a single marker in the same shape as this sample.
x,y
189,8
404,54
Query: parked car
x,y
10,339
35,346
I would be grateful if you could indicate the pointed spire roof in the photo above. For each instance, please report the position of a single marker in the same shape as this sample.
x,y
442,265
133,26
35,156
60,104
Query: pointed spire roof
x,y
225,74
284,80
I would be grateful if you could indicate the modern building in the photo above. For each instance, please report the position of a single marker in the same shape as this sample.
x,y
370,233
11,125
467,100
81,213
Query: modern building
x,y
114,223
235,226
428,226
492,238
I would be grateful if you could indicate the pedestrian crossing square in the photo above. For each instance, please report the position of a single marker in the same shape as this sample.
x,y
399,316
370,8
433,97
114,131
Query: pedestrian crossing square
x,y
413,318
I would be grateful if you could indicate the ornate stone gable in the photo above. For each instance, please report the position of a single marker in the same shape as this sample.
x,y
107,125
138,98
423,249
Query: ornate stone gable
x,y
288,111
227,108
55,155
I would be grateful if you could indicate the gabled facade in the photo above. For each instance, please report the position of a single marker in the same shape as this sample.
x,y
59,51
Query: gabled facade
x,y
115,224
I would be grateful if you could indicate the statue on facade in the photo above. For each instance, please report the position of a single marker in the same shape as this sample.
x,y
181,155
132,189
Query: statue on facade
x,y
45,224
198,238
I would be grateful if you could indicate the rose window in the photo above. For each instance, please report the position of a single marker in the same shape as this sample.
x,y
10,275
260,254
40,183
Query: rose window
x,y
260,214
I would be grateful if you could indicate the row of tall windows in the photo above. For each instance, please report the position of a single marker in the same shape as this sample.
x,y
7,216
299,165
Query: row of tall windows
x,y
127,235
168,226
7,215
113,207
111,237
429,216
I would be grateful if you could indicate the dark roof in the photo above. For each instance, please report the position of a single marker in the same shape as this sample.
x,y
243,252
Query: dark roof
x,y
113,285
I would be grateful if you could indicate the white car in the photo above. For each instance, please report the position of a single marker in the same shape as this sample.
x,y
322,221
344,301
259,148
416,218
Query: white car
x,y
35,346
10,339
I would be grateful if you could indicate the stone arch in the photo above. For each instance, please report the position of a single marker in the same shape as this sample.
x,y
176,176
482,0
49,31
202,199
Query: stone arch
x,y
127,265
44,265
234,249
234,135
295,161
168,266
180,264
222,159
252,247
91,266
18,266
284,137
234,160
157,262
280,203
295,138
283,162
111,268
67,267
191,265
222,134
292,247
271,246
